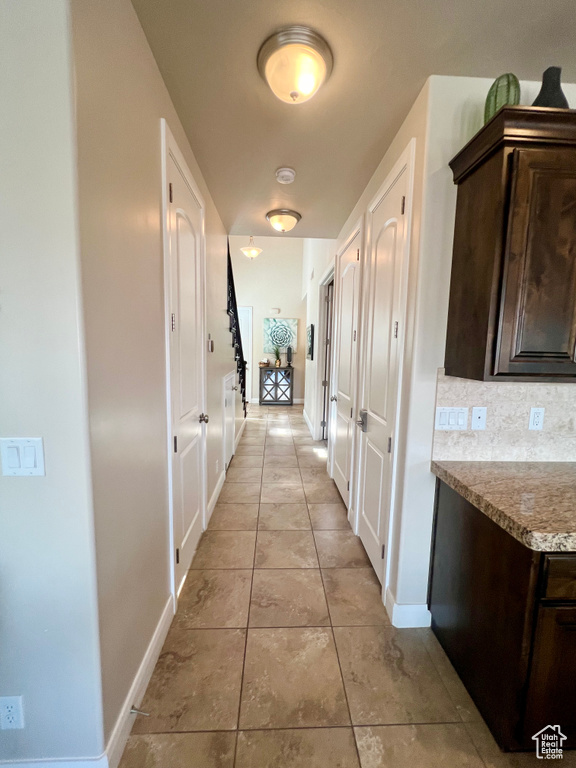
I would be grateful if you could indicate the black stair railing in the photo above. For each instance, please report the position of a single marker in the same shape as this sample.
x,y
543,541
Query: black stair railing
x,y
235,331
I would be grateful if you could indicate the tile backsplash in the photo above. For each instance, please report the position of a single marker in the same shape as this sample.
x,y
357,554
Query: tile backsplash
x,y
507,437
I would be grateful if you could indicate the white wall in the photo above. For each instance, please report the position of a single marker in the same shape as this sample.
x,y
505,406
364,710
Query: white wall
x,y
318,258
274,279
48,621
120,100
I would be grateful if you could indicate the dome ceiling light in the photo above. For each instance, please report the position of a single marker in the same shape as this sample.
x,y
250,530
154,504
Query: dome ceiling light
x,y
283,219
295,62
250,250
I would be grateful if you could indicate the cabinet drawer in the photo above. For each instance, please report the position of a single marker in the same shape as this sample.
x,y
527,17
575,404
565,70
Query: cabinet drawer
x,y
560,577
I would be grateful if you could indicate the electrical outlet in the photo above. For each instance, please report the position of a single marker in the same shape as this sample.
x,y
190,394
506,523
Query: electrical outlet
x,y
536,418
11,713
479,417
217,466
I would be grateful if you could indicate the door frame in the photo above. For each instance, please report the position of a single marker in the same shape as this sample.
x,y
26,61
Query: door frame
x,y
249,387
357,230
319,334
406,160
169,148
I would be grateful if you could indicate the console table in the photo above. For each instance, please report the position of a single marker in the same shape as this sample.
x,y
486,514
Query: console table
x,y
276,385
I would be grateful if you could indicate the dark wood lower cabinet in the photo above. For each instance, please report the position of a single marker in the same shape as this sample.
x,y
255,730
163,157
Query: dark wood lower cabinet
x,y
513,647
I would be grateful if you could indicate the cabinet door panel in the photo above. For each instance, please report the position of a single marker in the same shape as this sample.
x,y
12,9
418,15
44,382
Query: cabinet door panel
x,y
552,688
537,333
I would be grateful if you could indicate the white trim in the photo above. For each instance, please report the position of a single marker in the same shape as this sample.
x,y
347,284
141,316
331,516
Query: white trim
x,y
327,277
309,424
170,148
407,616
296,401
214,498
239,435
81,762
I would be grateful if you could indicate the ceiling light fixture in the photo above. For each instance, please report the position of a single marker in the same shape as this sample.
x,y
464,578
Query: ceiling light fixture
x,y
283,219
295,62
250,250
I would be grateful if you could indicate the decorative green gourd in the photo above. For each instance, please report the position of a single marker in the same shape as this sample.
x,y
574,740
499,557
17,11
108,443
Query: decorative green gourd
x,y
505,90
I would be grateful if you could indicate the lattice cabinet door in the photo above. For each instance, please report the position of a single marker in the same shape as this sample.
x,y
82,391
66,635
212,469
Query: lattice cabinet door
x,y
276,386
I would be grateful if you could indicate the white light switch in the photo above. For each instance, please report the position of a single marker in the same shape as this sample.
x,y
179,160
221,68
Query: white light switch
x,y
451,419
22,456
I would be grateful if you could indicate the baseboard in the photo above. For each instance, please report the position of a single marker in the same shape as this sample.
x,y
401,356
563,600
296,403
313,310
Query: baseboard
x,y
239,435
119,736
407,616
310,426
80,762
214,498
296,401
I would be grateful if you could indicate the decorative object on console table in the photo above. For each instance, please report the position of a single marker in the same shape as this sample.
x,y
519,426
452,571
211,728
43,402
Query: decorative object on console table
x,y
504,91
551,93
289,356
310,342
276,385
278,362
280,332
512,311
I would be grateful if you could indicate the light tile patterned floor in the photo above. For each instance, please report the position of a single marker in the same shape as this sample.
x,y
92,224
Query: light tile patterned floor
x,y
281,654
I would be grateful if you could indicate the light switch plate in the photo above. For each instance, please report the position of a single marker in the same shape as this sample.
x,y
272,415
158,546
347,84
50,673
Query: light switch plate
x,y
451,419
22,456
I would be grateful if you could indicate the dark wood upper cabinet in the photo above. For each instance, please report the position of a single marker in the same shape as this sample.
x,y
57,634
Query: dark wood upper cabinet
x,y
512,312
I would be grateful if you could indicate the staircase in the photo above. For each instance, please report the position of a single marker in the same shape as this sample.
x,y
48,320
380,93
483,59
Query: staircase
x,y
235,331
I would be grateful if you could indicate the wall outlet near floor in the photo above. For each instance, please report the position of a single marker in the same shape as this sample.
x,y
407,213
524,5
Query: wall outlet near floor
x,y
536,418
479,417
217,466
451,419
11,713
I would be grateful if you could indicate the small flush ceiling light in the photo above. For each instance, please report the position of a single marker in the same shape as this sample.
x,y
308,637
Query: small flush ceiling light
x,y
295,62
250,250
283,219
285,175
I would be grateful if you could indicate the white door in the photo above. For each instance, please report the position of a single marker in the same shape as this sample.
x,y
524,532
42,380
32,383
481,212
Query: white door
x,y
185,243
245,323
383,325
347,285
230,389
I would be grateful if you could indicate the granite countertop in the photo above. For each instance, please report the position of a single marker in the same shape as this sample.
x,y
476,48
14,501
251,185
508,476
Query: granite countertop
x,y
533,501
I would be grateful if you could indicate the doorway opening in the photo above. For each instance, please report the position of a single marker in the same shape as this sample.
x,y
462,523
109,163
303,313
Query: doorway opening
x,y
327,352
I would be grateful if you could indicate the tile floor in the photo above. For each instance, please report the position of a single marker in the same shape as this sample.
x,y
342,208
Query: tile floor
x,y
281,654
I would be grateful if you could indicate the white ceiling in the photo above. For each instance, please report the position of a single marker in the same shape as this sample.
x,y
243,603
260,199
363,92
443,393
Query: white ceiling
x,y
383,52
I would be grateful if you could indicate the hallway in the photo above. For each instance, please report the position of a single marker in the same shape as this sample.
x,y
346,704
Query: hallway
x,y
281,643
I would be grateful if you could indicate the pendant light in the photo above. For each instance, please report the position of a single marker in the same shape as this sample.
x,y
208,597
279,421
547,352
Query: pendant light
x,y
250,250
295,62
283,219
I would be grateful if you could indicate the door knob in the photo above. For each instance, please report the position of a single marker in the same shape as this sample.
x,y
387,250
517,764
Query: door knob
x,y
362,422
333,399
235,389
203,418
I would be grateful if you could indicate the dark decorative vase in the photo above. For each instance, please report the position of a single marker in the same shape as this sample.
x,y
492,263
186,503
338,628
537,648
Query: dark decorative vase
x,y
551,94
289,356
